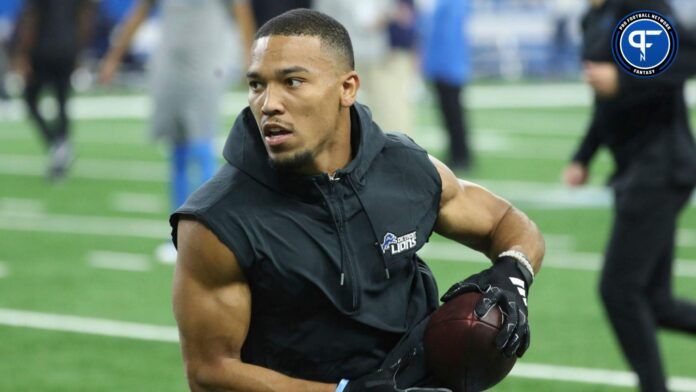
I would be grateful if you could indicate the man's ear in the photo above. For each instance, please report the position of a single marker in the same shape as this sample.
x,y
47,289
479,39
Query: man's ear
x,y
349,88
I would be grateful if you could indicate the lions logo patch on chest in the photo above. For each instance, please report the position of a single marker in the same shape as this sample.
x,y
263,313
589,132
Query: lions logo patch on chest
x,y
395,244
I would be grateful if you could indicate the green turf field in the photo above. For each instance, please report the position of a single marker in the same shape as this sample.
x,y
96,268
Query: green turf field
x,y
84,249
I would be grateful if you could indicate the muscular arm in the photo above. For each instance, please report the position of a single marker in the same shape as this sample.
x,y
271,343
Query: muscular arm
x,y
212,307
473,216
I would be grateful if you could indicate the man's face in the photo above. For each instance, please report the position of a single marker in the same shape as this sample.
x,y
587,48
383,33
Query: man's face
x,y
295,95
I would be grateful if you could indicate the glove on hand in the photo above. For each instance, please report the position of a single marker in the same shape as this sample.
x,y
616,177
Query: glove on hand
x,y
504,284
384,380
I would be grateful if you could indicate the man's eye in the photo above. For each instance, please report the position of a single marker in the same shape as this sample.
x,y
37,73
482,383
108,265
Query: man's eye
x,y
293,82
254,85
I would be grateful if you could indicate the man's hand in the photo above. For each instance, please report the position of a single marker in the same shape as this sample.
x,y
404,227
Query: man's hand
x,y
22,66
108,70
505,285
382,381
603,77
575,174
386,380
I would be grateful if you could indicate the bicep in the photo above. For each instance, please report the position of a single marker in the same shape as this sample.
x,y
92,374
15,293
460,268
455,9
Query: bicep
x,y
468,212
211,299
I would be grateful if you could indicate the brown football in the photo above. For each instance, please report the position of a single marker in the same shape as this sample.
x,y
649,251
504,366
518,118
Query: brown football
x,y
460,347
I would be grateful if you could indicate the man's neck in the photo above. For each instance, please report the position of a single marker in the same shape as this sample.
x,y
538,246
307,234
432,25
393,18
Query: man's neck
x,y
337,153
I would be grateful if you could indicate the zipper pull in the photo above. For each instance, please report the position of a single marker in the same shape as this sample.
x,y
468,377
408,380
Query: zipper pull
x,y
343,276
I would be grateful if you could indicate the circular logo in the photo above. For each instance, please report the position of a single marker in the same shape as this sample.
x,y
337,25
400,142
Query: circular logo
x,y
644,44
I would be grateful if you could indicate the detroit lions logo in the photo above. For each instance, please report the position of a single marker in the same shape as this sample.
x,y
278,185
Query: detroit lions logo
x,y
389,239
395,244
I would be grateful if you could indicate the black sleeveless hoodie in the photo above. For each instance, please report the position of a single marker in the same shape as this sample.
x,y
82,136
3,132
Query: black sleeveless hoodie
x,y
331,264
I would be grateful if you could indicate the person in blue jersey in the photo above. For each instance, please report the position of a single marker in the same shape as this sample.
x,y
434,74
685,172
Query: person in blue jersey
x,y
188,77
445,63
264,10
298,268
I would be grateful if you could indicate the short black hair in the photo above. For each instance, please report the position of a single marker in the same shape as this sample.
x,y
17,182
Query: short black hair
x,y
302,21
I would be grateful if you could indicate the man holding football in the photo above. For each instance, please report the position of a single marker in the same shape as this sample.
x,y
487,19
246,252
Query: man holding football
x,y
297,267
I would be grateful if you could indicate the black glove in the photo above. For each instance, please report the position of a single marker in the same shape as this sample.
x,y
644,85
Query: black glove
x,y
384,380
505,284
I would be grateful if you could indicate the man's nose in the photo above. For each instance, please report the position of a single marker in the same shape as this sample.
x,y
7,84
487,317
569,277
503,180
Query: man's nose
x,y
272,104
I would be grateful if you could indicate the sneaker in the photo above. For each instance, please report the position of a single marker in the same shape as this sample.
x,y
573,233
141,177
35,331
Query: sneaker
x,y
166,253
61,155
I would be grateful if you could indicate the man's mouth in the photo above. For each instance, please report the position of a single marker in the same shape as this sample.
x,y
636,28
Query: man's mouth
x,y
275,134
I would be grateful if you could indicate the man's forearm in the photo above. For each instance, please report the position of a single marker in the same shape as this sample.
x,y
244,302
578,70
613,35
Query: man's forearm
x,y
127,30
233,375
247,26
592,139
515,231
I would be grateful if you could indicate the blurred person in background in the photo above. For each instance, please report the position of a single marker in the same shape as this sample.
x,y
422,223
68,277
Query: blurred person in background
x,y
52,34
6,29
188,77
382,34
445,63
399,72
4,68
562,57
264,10
644,124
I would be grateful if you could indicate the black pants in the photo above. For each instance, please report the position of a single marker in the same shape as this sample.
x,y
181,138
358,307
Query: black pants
x,y
636,283
449,96
54,73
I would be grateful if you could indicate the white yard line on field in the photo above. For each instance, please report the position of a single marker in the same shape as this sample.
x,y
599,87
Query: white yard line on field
x,y
25,205
551,194
543,95
118,261
87,168
499,144
686,238
428,136
558,256
84,137
139,202
592,376
84,225
169,334
555,258
564,242
87,325
4,271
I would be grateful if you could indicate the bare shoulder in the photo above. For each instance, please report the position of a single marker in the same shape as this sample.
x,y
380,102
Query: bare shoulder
x,y
202,254
452,186
450,182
